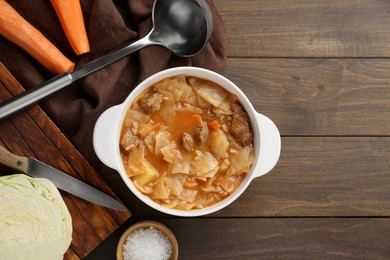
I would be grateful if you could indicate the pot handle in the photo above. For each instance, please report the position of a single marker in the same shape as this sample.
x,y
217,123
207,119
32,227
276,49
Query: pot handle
x,y
270,145
104,140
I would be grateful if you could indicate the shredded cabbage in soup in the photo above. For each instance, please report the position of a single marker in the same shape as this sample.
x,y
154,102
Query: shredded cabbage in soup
x,y
186,143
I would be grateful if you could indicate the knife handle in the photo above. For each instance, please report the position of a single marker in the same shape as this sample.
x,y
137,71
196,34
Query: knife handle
x,y
13,161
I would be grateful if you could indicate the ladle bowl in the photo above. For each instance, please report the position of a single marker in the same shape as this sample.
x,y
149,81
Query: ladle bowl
x,y
181,26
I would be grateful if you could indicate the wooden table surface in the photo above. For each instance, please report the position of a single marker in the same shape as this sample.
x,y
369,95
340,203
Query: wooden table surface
x,y
321,71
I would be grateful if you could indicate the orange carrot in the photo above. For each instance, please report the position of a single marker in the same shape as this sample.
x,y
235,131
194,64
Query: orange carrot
x,y
193,119
17,30
71,17
190,185
213,125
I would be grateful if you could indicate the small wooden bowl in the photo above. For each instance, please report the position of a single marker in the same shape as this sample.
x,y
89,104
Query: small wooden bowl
x,y
146,224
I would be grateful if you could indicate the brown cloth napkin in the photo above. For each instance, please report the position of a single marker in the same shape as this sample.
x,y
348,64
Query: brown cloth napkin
x,y
109,25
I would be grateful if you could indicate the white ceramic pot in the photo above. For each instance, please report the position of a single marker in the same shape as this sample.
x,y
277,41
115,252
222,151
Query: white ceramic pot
x,y
266,138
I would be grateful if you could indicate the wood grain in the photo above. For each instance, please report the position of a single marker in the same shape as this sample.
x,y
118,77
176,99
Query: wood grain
x,y
31,133
322,177
306,28
318,96
274,238
285,238
321,71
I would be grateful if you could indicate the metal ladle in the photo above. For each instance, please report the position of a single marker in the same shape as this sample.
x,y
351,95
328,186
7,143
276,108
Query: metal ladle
x,y
182,26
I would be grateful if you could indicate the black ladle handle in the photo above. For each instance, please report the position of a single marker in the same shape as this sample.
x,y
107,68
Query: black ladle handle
x,y
32,96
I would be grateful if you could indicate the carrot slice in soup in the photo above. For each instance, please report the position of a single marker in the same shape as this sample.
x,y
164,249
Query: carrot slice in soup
x,y
193,119
71,17
190,185
17,30
213,125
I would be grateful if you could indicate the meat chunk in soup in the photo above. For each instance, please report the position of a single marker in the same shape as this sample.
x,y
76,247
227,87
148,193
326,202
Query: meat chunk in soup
x,y
201,134
240,129
186,143
129,141
151,102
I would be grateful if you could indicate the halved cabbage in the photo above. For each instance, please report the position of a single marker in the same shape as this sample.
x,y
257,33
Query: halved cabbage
x,y
34,220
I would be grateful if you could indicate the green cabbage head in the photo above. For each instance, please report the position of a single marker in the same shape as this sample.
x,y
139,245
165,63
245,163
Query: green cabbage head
x,y
34,220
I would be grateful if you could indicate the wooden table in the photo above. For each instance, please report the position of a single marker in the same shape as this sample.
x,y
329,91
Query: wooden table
x,y
321,71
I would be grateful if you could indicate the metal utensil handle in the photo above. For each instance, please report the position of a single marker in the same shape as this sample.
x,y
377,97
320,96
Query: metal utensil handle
x,y
13,161
110,57
49,87
33,95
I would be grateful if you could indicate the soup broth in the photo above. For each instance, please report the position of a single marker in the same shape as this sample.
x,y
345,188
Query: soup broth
x,y
186,143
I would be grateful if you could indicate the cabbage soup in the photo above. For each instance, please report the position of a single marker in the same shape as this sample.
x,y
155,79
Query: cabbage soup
x,y
186,143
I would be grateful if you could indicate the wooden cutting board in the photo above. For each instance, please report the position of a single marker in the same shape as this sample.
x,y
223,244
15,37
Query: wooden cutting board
x,y
32,133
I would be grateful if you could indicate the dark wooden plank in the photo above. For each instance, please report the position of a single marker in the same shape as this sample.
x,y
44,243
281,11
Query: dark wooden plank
x,y
322,176
273,238
324,238
318,96
306,28
70,255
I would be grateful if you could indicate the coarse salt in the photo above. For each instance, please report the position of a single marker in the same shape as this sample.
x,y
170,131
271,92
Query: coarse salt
x,y
147,243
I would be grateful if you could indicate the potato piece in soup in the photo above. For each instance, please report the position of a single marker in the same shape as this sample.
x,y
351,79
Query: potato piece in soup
x,y
186,143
